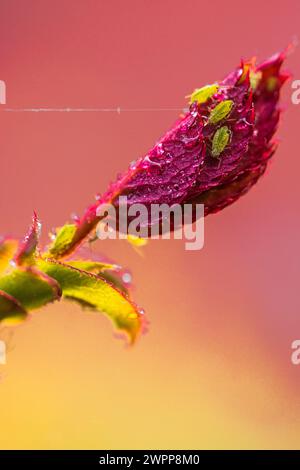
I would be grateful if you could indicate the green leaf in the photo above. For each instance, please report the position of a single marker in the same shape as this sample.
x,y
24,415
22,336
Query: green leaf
x,y
63,240
91,266
11,311
220,141
8,248
221,111
96,292
106,270
115,280
30,288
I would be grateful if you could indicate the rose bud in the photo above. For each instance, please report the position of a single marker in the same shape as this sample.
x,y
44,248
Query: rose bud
x,y
213,154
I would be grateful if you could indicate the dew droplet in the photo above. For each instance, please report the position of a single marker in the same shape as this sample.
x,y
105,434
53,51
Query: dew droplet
x,y
132,165
147,162
75,217
126,277
160,149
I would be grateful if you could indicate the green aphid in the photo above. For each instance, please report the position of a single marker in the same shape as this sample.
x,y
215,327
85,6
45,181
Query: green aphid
x,y
220,141
201,95
221,111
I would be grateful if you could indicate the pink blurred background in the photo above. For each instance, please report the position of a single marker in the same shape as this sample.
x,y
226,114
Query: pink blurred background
x,y
214,371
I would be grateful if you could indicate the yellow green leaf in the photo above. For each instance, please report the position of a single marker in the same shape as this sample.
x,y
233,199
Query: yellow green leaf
x,y
91,266
8,248
11,311
62,240
107,271
97,292
31,289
